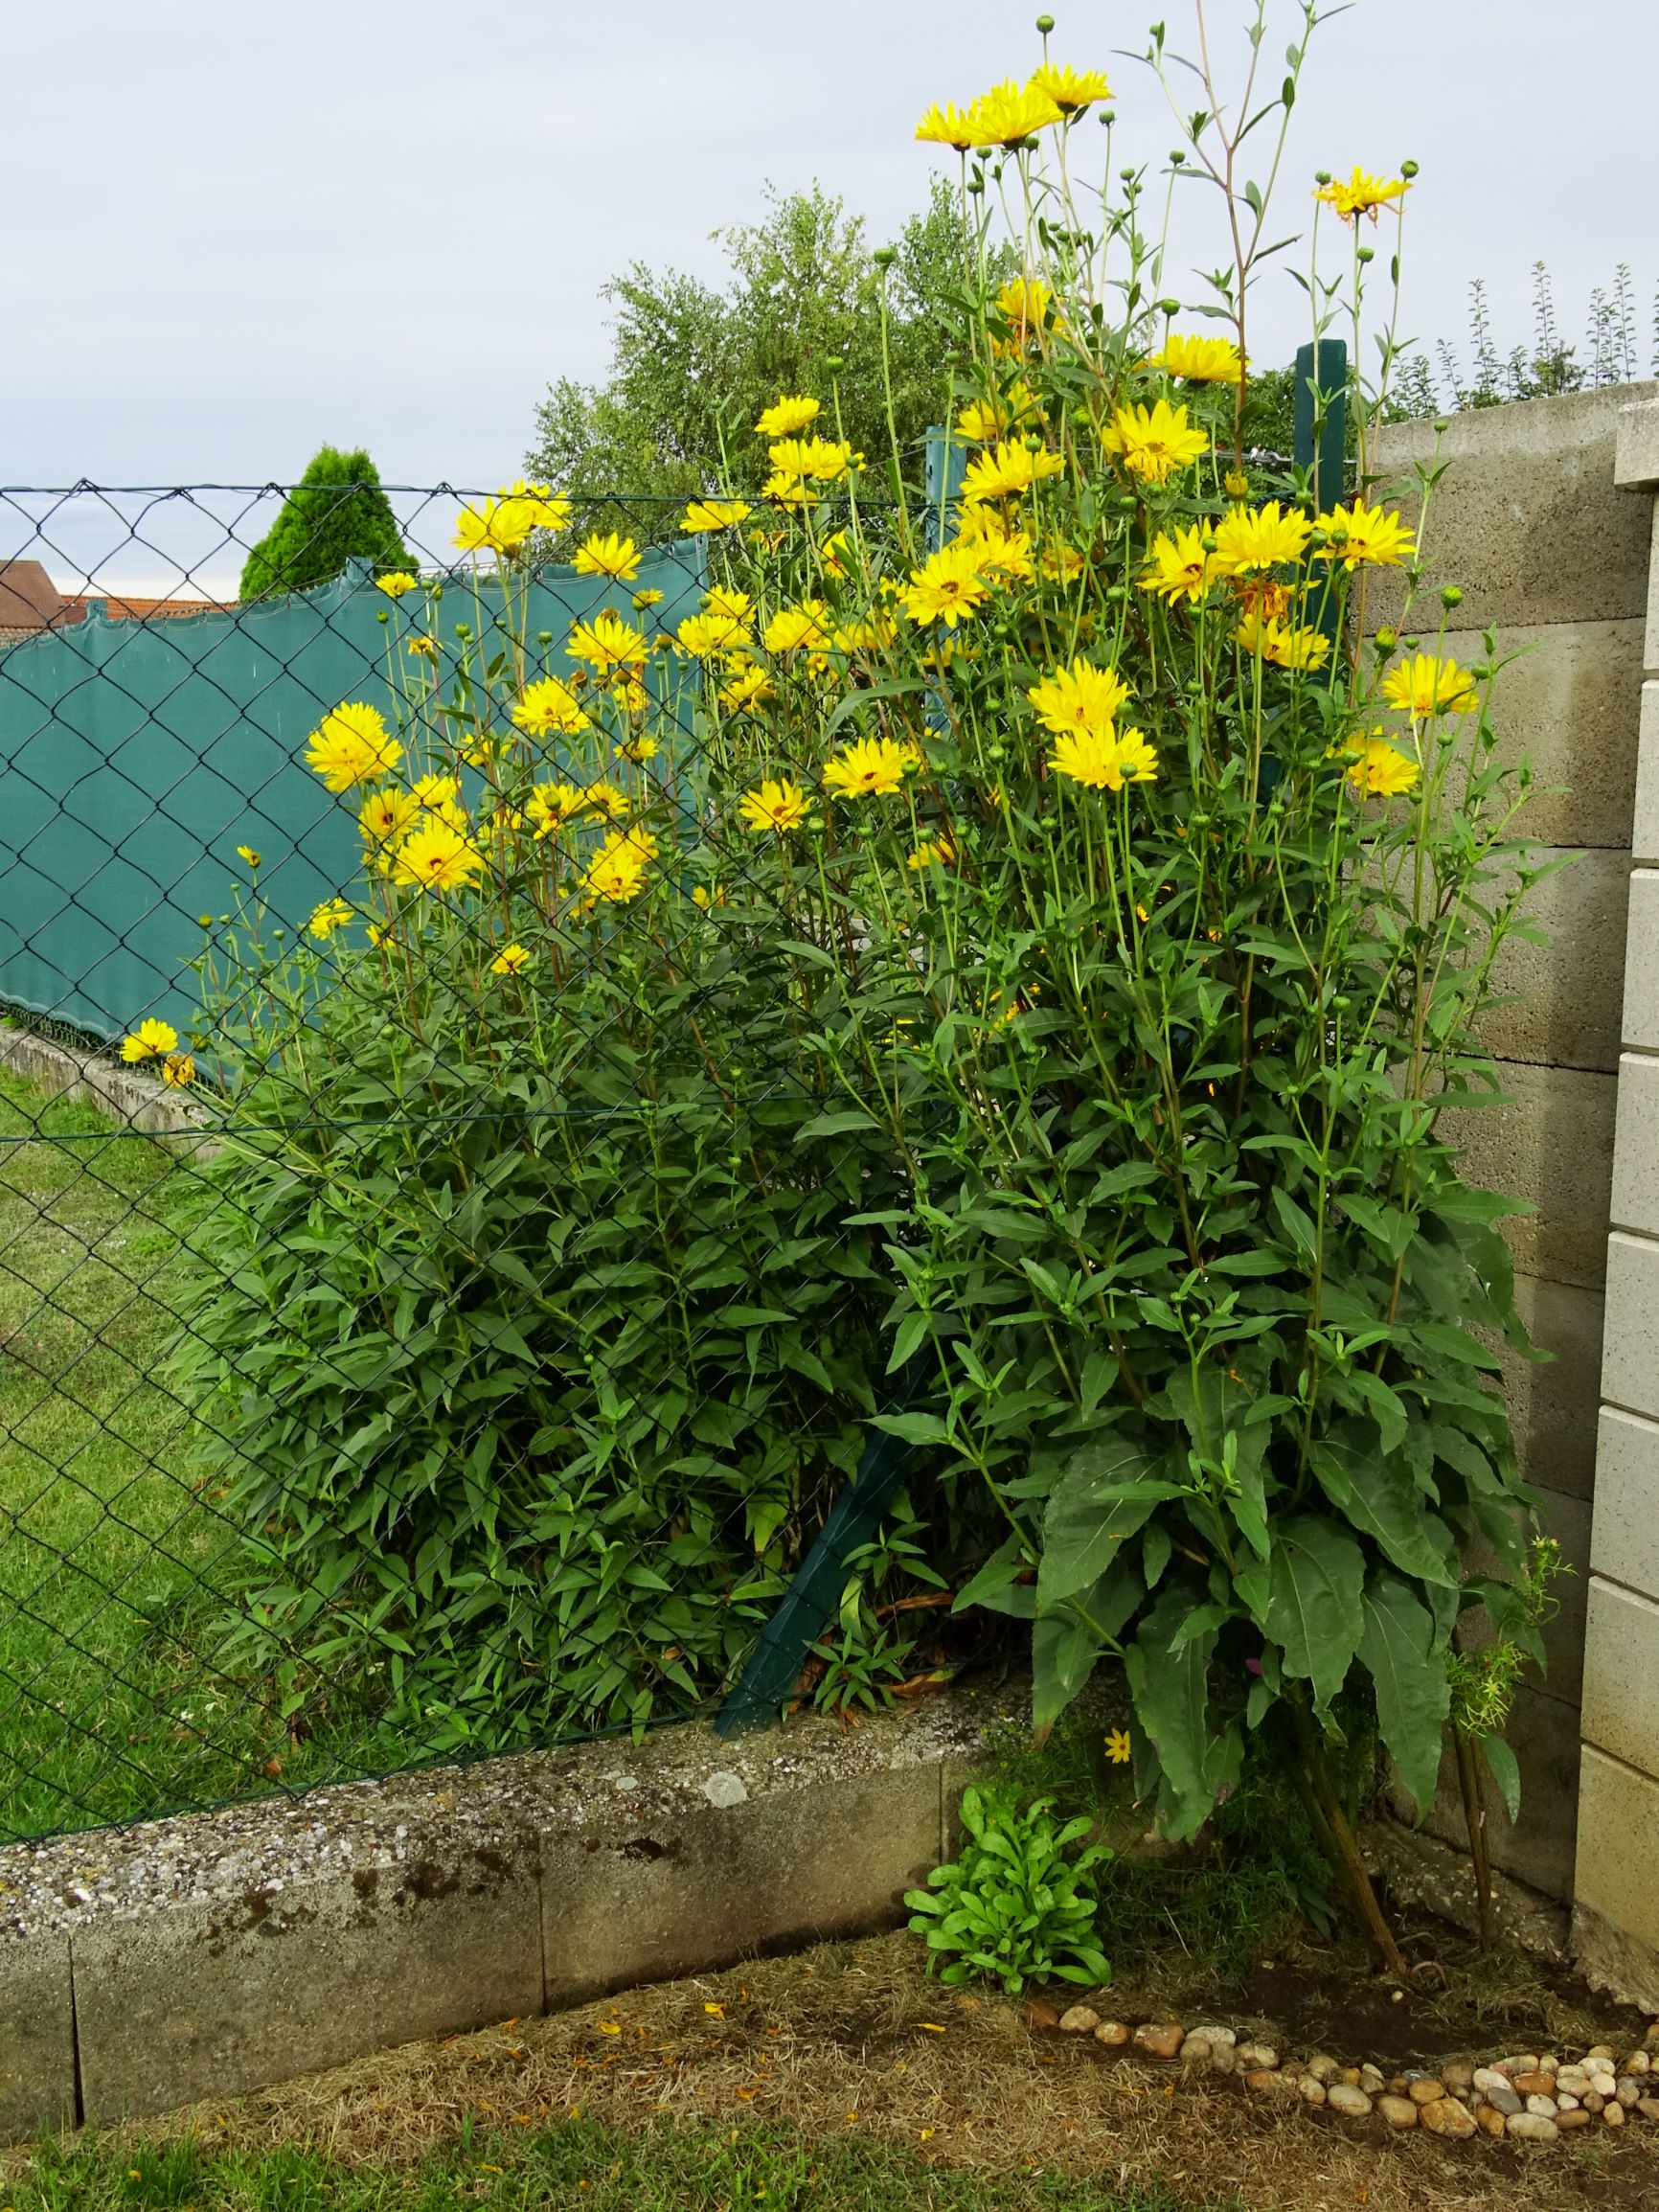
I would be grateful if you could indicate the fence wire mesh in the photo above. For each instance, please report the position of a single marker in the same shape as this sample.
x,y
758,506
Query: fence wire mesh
x,y
426,1327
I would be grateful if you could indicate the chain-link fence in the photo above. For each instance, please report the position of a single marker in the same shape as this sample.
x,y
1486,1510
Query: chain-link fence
x,y
440,1310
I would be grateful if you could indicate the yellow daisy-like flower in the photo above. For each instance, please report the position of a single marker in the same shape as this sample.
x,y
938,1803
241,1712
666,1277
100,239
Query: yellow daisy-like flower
x,y
550,706
147,1041
439,795
1118,1746
1103,759
747,687
789,413
935,852
1061,563
249,854
868,768
424,647
1365,536
511,960
1008,473
618,558
1179,567
607,799
397,584
638,749
1263,596
352,745
1011,113
646,598
949,584
1381,772
1252,539
707,636
497,526
1003,554
1198,360
981,423
1083,698
1070,89
793,627
716,514
825,460
874,634
1426,684
786,491
777,804
1296,646
607,645
331,915
386,814
537,504
707,897
437,856
1235,483
178,1070
838,553
946,125
1024,302
1362,194
550,806
616,871
1154,441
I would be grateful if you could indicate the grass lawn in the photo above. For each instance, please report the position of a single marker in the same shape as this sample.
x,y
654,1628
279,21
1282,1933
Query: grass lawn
x,y
104,1547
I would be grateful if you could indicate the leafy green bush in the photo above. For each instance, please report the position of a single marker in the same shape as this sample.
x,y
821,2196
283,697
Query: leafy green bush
x,y
1013,1906
336,513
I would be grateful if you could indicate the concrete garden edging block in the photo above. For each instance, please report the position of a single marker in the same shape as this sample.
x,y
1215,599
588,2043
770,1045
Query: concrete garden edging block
x,y
212,1953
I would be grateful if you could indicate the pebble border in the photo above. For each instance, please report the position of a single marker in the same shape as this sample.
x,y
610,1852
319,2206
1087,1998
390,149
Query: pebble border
x,y
1533,2097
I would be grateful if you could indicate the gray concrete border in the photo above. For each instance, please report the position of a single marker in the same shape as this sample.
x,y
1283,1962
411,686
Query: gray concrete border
x,y
209,1954
125,1094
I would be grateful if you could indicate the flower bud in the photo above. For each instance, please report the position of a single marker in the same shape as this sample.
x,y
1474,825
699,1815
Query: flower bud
x,y
1408,170
995,753
1411,644
382,615
833,364
1177,159
1386,640
884,257
544,637
1237,485
1045,24
1451,596
1365,253
1322,176
1210,542
1169,307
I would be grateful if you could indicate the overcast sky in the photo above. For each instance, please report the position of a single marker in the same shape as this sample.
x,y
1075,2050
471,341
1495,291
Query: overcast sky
x,y
238,231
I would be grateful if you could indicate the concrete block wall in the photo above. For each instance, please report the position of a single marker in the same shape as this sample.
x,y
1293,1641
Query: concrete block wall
x,y
1530,521
1616,1905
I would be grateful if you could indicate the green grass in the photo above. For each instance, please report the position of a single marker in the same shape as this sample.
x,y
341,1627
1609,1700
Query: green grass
x,y
577,2163
105,1546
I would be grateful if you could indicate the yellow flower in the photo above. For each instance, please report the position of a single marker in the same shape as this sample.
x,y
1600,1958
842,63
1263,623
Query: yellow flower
x,y
1251,539
1424,686
794,627
439,795
773,805
646,598
874,634
946,125
147,1039
1104,761
1286,645
510,960
608,800
1380,772
836,552
607,644
397,584
1179,567
550,806
638,749
789,413
1366,535
706,898
932,853
715,515
950,583
536,505
424,647
352,745
1083,698
1198,360
981,423
1023,301
331,915
1362,194
1001,553
1261,597
1011,113
496,527
1006,473
437,856
747,687
178,1069
386,814
870,767
1061,563
1235,483
616,871
549,705
787,491
1155,441
618,558
825,460
1118,1746
1070,89
247,853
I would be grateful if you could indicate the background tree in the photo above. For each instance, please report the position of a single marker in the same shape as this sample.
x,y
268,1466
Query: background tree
x,y
692,364
338,512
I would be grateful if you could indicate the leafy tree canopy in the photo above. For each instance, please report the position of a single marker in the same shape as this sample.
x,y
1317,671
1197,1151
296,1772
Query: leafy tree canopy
x,y
694,364
336,513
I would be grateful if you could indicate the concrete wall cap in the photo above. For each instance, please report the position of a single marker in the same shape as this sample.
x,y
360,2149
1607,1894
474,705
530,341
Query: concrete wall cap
x,y
1636,456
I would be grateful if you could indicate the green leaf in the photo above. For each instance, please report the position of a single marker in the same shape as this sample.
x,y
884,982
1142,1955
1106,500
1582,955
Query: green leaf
x,y
1506,1772
1407,1664
1315,1581
1171,1688
1100,1500
1378,1496
913,1427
